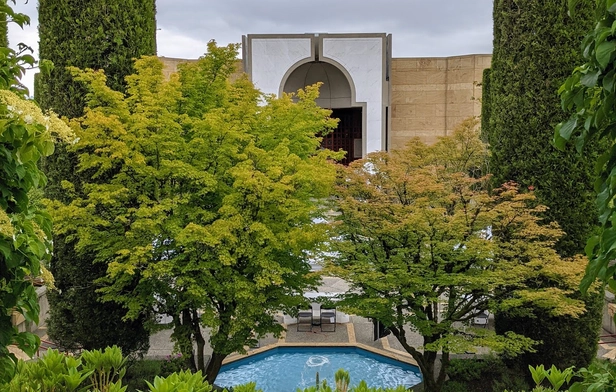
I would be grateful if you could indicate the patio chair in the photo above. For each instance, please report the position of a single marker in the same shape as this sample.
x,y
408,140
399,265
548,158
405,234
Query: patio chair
x,y
304,319
328,319
482,319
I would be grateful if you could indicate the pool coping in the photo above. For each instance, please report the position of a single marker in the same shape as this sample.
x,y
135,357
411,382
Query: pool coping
x,y
388,353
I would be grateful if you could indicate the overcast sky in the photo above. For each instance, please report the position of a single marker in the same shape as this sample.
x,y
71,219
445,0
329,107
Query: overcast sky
x,y
420,28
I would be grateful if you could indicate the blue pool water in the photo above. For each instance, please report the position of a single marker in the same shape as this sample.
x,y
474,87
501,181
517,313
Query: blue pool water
x,y
284,369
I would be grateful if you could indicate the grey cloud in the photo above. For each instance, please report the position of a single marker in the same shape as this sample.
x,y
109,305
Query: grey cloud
x,y
419,27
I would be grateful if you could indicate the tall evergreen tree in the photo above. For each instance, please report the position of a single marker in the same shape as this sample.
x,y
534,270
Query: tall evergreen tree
x,y
97,34
535,49
4,27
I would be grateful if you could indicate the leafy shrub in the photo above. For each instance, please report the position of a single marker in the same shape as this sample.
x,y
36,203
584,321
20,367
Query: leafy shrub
x,y
564,341
173,363
140,371
483,374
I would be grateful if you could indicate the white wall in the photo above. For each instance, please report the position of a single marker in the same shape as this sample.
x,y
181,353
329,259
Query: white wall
x,y
272,57
363,58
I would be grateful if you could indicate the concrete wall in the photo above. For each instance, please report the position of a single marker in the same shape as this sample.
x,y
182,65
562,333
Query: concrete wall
x,y
170,65
609,308
430,96
20,322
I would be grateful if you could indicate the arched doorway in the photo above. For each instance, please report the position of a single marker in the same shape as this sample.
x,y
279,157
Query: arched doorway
x,y
335,94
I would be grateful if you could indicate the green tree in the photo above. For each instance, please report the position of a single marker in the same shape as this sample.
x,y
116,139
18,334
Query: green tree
x,y
589,94
206,212
426,248
4,26
25,227
535,48
98,34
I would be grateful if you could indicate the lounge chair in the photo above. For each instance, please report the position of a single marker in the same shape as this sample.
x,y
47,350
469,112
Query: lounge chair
x,y
304,319
328,318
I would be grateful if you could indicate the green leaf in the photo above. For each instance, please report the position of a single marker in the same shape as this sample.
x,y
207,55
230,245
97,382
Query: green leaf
x,y
572,4
608,81
592,271
590,78
565,130
611,6
28,342
604,53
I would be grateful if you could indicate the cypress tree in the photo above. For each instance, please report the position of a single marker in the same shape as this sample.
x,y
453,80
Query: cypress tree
x,y
485,103
97,34
536,46
4,28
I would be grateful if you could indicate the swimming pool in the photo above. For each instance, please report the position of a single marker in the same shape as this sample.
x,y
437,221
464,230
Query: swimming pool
x,y
284,369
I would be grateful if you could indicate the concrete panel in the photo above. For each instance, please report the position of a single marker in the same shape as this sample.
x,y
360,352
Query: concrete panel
x,y
402,97
414,110
462,75
363,58
271,58
459,62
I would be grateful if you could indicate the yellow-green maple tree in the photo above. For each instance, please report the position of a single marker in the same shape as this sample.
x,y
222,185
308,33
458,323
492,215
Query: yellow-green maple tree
x,y
208,211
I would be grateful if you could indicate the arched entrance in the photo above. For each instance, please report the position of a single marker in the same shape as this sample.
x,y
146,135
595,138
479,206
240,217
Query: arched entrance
x,y
336,94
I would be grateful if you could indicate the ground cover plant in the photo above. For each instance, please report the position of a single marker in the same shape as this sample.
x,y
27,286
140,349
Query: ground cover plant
x,y
424,245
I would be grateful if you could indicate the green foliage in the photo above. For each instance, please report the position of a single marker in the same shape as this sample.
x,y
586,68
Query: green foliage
x,y
4,27
343,381
483,374
201,199
485,104
56,372
104,366
178,382
553,375
599,376
102,371
556,334
413,242
535,46
589,95
140,371
97,34
25,227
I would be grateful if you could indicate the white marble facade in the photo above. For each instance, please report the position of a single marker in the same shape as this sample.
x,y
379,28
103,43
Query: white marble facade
x,y
363,59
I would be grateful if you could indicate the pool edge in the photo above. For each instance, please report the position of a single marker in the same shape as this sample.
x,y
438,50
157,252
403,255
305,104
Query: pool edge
x,y
397,355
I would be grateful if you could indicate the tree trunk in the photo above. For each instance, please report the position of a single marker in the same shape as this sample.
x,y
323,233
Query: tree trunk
x,y
426,361
214,367
183,330
200,342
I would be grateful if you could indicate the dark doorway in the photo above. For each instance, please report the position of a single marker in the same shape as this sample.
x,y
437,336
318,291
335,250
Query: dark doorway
x,y
348,135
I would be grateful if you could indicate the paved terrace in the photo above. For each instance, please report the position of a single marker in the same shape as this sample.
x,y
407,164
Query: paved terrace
x,y
357,332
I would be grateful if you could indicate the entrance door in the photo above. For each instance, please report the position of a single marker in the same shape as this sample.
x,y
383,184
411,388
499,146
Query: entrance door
x,y
348,135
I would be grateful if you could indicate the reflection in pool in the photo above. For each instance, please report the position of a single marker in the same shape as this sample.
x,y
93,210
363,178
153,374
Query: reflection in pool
x,y
284,369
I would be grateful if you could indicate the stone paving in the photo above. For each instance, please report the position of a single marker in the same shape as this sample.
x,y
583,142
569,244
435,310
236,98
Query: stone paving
x,y
607,346
358,331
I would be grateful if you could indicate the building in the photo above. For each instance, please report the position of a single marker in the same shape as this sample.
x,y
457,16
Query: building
x,y
381,101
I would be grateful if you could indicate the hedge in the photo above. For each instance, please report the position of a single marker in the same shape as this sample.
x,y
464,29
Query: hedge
x,y
98,34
